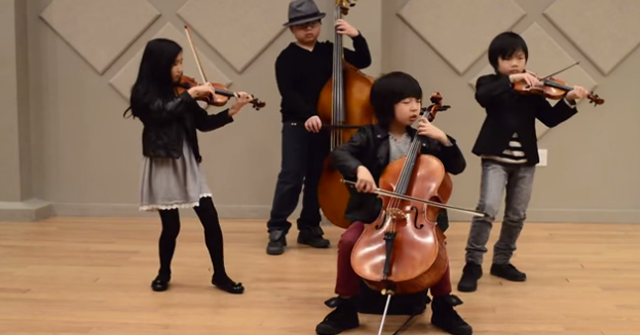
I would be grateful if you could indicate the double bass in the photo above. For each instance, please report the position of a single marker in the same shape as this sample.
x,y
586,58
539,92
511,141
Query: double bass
x,y
403,250
343,106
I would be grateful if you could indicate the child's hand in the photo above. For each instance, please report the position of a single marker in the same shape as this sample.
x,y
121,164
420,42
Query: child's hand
x,y
242,99
426,128
345,28
578,92
313,124
201,90
527,77
365,181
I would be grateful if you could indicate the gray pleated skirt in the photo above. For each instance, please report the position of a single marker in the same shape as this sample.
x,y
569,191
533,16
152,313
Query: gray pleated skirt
x,y
168,183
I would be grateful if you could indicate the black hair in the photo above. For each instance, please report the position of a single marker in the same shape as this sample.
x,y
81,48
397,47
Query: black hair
x,y
504,46
390,89
154,75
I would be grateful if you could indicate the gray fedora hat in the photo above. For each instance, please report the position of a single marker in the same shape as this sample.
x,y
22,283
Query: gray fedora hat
x,y
303,11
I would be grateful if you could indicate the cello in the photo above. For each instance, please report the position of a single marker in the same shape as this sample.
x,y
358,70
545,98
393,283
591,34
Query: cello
x,y
403,250
343,106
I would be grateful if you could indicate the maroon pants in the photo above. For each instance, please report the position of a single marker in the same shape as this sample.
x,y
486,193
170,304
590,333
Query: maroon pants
x,y
348,282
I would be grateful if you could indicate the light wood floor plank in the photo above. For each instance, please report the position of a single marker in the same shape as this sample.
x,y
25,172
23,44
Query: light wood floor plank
x,y
76,276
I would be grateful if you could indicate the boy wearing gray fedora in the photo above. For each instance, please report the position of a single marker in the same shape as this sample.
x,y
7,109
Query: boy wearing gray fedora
x,y
302,70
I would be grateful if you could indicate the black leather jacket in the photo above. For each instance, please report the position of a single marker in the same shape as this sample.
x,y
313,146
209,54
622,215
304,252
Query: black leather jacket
x,y
167,123
370,147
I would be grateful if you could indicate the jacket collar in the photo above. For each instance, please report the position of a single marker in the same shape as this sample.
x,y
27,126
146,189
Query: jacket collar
x,y
382,133
381,138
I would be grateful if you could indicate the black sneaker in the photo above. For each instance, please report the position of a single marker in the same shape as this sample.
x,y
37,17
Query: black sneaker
x,y
277,242
343,317
508,272
313,237
446,318
470,275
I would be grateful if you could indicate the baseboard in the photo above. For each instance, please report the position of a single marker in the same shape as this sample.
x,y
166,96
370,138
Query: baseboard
x,y
26,211
38,210
129,210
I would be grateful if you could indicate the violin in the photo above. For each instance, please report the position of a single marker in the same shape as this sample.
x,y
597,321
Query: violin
x,y
219,99
553,88
403,250
222,94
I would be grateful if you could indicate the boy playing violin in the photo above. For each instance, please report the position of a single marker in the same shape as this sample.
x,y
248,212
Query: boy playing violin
x,y
302,70
396,100
507,144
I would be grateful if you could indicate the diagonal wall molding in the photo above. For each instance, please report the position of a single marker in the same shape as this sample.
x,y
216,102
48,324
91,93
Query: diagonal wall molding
x,y
460,30
124,79
116,24
546,56
239,33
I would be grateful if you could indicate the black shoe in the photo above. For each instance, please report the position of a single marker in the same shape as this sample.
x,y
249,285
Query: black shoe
x,y
343,317
508,272
277,242
161,283
313,237
470,275
227,285
446,318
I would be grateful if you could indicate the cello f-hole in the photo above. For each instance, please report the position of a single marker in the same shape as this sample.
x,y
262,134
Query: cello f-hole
x,y
414,209
384,222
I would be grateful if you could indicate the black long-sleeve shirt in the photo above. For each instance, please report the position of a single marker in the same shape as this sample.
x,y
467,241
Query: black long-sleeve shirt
x,y
301,74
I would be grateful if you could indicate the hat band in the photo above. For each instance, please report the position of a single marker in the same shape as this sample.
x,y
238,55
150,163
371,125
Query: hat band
x,y
303,17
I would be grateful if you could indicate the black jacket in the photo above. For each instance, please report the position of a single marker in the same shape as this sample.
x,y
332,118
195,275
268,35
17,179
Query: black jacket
x,y
301,74
509,112
167,123
370,147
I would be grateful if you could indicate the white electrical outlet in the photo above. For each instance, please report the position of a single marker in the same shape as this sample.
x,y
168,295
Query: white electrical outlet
x,y
543,157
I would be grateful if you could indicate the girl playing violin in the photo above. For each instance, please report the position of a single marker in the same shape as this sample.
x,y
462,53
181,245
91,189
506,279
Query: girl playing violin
x,y
171,175
507,144
396,100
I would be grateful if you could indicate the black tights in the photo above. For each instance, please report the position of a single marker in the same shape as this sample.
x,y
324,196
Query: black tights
x,y
208,216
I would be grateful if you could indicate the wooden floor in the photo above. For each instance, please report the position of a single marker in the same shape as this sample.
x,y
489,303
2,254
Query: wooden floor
x,y
91,276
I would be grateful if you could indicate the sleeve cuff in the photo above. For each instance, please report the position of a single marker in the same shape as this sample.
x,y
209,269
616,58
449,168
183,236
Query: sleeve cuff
x,y
452,143
358,37
229,117
572,105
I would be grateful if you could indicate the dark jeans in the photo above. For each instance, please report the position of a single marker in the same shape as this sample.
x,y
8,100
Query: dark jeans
x,y
303,154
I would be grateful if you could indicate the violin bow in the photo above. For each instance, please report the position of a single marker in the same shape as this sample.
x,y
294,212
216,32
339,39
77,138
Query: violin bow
x,y
565,69
428,202
195,54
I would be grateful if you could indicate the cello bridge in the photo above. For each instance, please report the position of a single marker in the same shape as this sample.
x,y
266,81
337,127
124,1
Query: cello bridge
x,y
396,213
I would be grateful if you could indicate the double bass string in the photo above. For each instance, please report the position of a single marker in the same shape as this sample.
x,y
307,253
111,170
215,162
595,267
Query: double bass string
x,y
338,96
